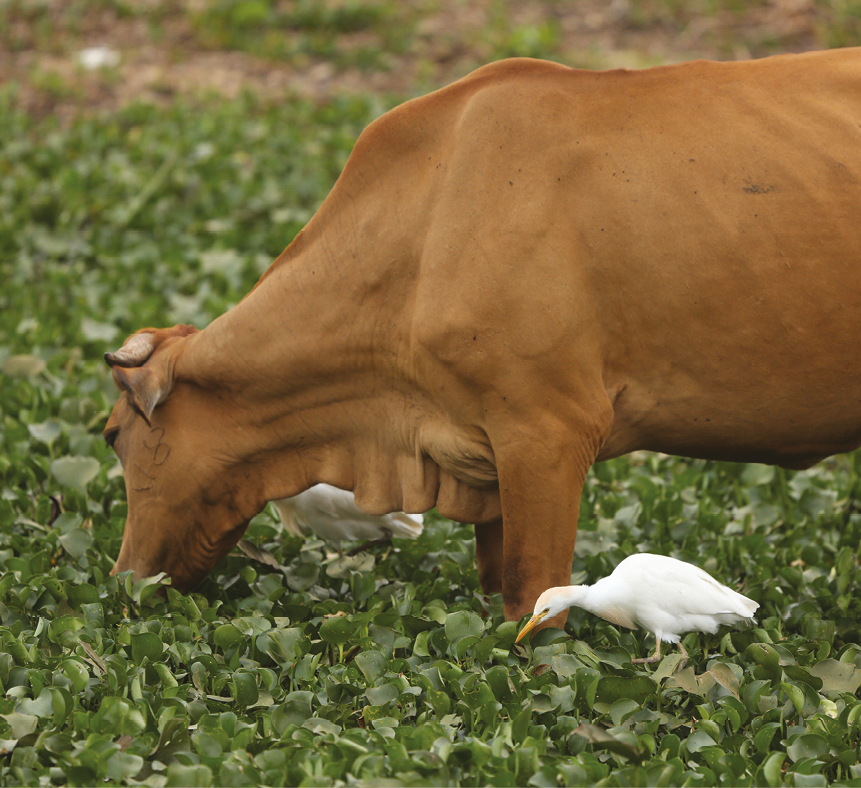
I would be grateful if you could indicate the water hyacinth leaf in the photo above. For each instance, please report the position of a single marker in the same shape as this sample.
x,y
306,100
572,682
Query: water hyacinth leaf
x,y
245,691
689,681
755,475
76,672
47,431
173,737
766,656
283,645
21,725
146,645
180,776
379,696
462,646
118,716
769,772
337,630
292,712
500,683
795,694
346,565
803,675
622,709
372,664
96,331
565,665
123,766
75,471
668,667
602,740
321,726
252,626
637,689
207,745
190,608
165,675
81,594
837,677
62,630
43,706
697,740
724,676
257,553
301,576
362,586
462,624
808,745
142,590
226,636
440,702
763,737
76,542
548,636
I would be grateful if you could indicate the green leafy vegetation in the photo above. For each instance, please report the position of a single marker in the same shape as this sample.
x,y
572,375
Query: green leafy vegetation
x,y
390,665
308,28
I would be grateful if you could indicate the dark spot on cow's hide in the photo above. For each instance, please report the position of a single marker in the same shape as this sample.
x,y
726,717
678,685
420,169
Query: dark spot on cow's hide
x,y
758,188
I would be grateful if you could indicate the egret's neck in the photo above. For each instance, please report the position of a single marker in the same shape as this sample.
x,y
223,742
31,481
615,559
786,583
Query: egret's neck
x,y
575,596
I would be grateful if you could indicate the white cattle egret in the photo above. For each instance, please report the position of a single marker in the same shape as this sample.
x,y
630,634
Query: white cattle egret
x,y
662,595
332,514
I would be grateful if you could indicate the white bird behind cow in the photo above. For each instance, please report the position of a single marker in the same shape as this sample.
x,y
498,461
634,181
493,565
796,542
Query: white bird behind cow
x,y
332,514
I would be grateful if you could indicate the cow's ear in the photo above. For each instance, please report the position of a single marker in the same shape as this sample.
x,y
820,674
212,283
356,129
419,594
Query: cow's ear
x,y
147,386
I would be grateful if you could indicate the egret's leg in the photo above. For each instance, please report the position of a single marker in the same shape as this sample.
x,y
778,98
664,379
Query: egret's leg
x,y
373,543
656,657
488,555
684,656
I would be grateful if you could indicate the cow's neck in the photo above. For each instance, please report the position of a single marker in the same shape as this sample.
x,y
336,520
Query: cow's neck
x,y
297,365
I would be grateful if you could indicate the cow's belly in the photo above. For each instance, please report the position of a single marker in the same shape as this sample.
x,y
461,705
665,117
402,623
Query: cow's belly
x,y
795,426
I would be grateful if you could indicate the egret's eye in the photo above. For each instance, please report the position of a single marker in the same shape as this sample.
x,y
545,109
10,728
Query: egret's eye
x,y
545,611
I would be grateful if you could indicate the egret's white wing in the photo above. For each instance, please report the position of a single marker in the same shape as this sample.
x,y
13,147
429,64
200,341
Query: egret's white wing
x,y
675,597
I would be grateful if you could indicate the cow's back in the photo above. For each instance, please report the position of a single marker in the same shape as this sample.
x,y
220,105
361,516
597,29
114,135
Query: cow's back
x,y
684,237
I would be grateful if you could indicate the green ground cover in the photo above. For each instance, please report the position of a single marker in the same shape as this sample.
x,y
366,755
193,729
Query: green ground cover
x,y
388,668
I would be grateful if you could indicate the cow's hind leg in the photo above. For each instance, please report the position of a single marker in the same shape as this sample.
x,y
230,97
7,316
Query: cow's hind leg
x,y
489,555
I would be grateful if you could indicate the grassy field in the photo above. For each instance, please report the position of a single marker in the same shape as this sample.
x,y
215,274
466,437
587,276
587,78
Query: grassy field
x,y
388,668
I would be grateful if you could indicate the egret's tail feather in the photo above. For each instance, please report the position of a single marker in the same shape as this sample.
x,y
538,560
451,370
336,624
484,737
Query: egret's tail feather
x,y
406,526
287,513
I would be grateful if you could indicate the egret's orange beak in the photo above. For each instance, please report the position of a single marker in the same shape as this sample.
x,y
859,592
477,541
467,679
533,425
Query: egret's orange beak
x,y
530,625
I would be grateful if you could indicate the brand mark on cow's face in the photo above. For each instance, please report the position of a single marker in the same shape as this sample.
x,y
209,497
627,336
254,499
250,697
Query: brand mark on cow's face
x,y
161,450
144,487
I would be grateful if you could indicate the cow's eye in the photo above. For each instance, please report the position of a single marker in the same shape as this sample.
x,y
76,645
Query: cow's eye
x,y
110,437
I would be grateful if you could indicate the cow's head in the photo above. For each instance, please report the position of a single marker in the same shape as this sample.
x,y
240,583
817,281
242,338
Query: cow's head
x,y
189,500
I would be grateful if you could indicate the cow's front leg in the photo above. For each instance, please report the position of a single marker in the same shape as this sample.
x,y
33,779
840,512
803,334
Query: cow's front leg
x,y
540,483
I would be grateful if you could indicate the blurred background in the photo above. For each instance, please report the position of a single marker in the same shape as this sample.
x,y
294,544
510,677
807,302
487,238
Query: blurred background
x,y
155,156
60,56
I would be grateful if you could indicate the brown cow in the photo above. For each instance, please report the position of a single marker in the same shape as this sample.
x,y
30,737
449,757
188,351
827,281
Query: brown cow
x,y
531,270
